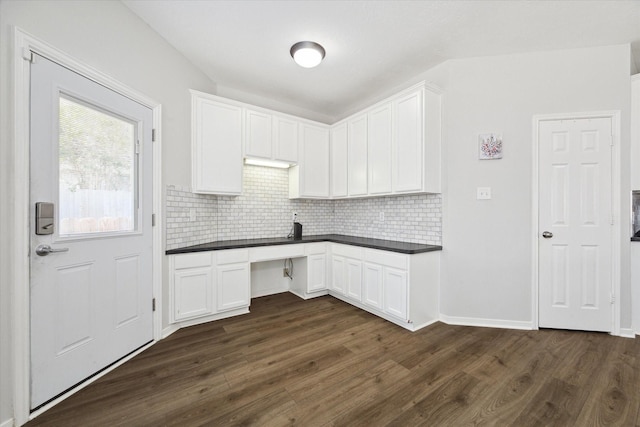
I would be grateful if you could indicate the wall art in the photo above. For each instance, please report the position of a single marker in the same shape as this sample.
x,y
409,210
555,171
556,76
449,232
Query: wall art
x,y
489,146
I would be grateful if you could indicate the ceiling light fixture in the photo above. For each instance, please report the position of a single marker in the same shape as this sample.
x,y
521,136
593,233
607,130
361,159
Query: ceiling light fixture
x,y
307,54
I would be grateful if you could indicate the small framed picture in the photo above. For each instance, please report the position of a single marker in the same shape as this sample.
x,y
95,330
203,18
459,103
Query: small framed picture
x,y
489,146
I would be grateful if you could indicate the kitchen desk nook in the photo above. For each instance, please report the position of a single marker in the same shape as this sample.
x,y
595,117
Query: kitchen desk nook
x,y
397,281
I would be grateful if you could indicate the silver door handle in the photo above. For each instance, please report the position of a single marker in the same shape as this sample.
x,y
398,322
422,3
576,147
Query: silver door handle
x,y
44,250
547,234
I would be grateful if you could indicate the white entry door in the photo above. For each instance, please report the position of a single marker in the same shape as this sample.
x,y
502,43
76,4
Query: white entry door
x,y
91,240
575,224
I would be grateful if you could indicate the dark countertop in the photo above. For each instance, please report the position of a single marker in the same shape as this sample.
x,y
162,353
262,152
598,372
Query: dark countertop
x,y
386,245
635,239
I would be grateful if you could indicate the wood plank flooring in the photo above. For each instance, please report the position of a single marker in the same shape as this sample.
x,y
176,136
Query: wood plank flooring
x,y
323,362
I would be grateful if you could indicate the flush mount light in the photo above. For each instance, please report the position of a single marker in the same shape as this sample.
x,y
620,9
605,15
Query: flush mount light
x,y
307,54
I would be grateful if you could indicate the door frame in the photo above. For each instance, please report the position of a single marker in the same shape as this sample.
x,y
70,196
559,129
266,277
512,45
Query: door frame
x,y
615,200
18,211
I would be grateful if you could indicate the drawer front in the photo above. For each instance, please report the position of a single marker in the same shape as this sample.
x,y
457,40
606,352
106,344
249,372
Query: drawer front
x,y
390,259
315,248
266,253
232,256
347,250
192,260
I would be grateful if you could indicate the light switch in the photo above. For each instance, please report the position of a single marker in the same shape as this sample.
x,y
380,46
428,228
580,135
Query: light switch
x,y
484,193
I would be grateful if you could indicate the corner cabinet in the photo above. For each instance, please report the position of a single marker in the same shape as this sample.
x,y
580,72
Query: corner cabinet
x,y
398,287
216,145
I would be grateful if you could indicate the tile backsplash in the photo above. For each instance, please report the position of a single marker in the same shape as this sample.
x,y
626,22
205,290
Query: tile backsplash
x,y
264,210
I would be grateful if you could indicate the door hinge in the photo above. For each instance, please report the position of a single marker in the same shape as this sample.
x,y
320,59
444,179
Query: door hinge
x,y
153,220
612,298
153,135
137,147
153,304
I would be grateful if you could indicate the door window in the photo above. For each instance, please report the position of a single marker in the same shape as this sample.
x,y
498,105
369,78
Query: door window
x,y
97,170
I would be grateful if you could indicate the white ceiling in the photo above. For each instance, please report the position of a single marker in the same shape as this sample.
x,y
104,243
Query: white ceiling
x,y
372,46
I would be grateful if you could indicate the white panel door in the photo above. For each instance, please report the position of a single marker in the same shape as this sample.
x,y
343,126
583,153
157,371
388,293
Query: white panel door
x,y
233,286
91,162
575,264
358,156
372,285
379,150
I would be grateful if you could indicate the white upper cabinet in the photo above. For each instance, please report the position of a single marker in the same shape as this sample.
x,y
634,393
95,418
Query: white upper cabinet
x,y
358,156
379,149
339,161
285,139
258,137
270,136
407,144
310,178
216,145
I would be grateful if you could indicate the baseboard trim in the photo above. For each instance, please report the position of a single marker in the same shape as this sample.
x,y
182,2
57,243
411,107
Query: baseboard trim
x,y
627,333
7,423
169,330
486,323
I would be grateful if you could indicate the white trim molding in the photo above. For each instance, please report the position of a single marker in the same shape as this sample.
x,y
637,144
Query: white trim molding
x,y
616,201
487,323
18,196
627,333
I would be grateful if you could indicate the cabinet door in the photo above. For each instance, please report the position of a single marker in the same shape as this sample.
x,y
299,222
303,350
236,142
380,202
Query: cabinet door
x,y
216,147
192,293
233,286
379,149
314,168
316,273
258,134
358,156
285,139
354,279
372,285
395,292
408,143
339,165
338,274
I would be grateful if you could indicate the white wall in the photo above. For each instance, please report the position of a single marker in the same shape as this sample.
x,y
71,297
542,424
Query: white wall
x,y
108,37
487,260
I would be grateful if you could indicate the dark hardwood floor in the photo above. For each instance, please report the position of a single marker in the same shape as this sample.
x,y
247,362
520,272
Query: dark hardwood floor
x,y
325,363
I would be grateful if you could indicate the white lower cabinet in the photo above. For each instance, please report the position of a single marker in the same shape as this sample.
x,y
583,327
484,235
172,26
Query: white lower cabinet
x,y
193,293
395,292
205,284
353,274
372,285
317,273
337,274
233,286
401,288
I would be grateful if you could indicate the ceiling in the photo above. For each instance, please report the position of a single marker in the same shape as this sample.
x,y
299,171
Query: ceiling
x,y
372,46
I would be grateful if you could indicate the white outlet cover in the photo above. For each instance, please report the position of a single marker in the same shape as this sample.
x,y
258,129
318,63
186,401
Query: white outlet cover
x,y
484,193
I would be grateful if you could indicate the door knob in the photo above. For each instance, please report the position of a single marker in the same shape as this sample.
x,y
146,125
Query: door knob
x,y
547,234
44,250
